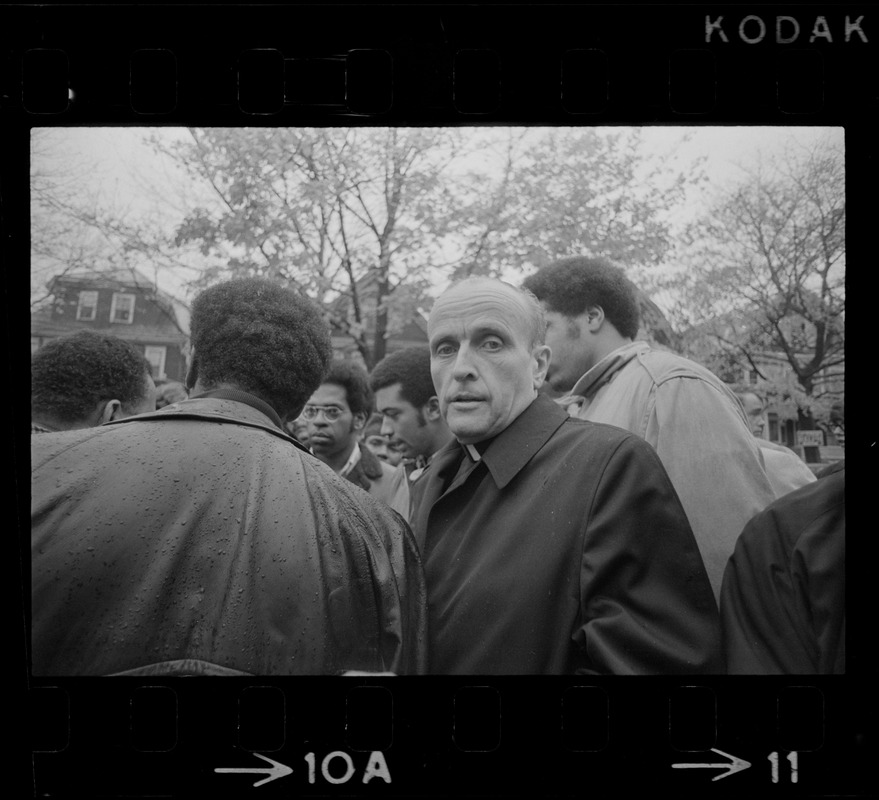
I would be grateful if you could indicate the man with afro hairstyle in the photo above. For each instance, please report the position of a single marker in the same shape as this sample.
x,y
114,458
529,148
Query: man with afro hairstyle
x,y
336,414
87,379
202,539
694,421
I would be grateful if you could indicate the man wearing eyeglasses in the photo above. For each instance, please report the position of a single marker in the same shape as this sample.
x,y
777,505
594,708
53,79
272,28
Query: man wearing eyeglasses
x,y
336,415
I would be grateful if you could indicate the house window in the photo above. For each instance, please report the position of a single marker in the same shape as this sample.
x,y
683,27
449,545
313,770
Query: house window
x,y
156,356
772,418
122,308
87,309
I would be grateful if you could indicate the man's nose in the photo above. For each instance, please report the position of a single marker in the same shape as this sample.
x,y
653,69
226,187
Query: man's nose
x,y
463,368
387,428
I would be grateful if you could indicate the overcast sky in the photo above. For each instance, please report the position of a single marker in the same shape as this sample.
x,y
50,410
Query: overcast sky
x,y
117,164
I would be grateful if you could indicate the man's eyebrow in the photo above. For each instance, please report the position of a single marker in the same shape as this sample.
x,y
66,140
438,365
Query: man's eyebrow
x,y
439,338
479,331
489,329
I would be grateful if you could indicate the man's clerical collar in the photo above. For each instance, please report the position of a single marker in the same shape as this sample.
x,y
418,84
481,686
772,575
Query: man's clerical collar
x,y
476,451
473,452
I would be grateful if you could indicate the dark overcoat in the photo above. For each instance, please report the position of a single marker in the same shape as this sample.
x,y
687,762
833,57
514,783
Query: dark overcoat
x,y
563,549
202,539
783,599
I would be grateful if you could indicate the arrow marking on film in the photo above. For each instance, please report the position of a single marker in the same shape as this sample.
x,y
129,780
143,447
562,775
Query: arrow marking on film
x,y
735,765
275,771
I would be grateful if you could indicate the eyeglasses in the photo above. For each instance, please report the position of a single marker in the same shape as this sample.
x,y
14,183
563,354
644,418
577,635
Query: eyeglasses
x,y
331,413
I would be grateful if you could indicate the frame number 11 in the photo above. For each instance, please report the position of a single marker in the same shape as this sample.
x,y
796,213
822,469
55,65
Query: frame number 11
x,y
792,758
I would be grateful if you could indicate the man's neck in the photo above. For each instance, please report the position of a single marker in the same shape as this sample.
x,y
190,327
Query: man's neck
x,y
338,460
608,343
233,392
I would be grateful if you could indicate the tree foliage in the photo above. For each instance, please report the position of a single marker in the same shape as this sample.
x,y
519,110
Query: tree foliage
x,y
80,222
564,192
764,284
60,242
370,222
339,213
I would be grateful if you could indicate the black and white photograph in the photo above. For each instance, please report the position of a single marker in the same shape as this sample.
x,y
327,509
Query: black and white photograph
x,y
442,401
238,304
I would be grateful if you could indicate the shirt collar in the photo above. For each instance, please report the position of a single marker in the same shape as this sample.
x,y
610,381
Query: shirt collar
x,y
353,461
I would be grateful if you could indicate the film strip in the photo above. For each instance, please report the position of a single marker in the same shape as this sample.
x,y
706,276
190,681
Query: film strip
x,y
485,64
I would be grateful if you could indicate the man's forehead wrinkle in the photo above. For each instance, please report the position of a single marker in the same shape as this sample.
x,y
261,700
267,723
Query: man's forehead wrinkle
x,y
489,306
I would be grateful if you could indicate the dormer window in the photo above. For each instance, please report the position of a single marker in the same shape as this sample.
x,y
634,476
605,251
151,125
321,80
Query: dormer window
x,y
87,308
122,308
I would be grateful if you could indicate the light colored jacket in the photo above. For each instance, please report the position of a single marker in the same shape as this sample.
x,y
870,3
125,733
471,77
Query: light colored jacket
x,y
786,470
698,428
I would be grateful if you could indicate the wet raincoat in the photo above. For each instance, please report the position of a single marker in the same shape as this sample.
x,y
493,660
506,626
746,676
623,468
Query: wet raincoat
x,y
202,539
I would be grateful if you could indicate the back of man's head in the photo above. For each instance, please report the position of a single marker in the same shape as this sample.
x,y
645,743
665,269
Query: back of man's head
x,y
74,377
354,380
261,338
570,286
410,367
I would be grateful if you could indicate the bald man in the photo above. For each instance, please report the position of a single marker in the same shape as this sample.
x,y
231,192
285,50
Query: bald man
x,y
551,545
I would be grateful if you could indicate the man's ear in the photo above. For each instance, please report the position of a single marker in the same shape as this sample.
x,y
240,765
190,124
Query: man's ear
x,y
431,410
112,410
359,420
541,355
594,316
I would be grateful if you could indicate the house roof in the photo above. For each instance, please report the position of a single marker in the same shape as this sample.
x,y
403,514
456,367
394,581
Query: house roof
x,y
125,278
44,326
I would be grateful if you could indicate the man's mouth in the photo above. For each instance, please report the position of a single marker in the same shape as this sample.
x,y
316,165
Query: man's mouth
x,y
465,400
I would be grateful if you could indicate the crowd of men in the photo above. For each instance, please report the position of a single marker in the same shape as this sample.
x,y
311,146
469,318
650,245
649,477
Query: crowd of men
x,y
536,491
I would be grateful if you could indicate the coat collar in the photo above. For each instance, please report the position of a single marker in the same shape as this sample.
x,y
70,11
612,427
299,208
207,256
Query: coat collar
x,y
240,396
369,463
516,445
607,367
366,470
505,456
509,451
213,409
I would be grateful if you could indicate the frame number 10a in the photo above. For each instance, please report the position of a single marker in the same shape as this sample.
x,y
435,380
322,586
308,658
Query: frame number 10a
x,y
792,760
